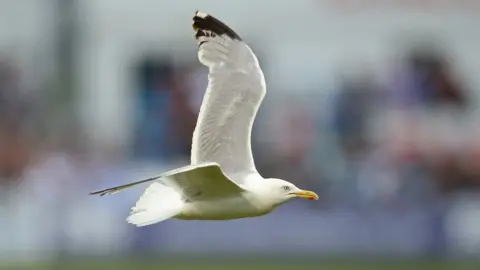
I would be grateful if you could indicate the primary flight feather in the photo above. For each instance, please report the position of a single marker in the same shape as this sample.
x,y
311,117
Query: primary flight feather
x,y
222,181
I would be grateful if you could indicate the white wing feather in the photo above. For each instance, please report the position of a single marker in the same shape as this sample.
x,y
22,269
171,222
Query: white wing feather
x,y
206,179
235,91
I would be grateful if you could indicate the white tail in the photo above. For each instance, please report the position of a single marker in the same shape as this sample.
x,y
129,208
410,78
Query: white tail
x,y
158,203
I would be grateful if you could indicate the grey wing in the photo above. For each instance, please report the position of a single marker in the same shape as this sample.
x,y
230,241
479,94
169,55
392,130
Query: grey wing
x,y
235,91
205,180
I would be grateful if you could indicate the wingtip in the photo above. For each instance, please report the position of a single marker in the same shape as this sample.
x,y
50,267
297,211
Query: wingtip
x,y
200,14
100,193
206,22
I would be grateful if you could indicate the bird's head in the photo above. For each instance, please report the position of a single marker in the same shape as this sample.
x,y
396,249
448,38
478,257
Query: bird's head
x,y
281,191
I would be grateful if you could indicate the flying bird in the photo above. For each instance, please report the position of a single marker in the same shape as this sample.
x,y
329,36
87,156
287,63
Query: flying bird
x,y
222,182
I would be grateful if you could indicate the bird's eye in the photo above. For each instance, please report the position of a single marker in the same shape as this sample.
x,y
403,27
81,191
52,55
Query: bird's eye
x,y
286,187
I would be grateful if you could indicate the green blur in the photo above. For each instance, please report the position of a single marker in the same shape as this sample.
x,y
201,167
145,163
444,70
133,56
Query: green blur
x,y
271,264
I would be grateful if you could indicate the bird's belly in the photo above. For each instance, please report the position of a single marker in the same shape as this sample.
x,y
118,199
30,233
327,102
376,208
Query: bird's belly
x,y
231,208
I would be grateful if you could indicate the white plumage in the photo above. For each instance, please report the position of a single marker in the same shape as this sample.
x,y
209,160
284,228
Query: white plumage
x,y
222,181
158,202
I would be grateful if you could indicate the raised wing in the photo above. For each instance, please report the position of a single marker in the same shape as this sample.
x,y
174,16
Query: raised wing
x,y
193,182
235,91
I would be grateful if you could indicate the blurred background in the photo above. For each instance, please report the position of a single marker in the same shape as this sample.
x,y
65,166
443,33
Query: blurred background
x,y
372,104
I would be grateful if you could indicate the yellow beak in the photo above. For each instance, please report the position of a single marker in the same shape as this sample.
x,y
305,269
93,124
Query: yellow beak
x,y
306,194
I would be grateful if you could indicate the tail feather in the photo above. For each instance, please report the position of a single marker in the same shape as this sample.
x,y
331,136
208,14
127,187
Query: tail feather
x,y
158,203
215,39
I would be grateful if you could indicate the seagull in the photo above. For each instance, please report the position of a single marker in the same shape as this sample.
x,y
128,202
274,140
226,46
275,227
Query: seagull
x,y
222,182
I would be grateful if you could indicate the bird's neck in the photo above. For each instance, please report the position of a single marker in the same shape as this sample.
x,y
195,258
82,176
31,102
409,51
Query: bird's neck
x,y
259,193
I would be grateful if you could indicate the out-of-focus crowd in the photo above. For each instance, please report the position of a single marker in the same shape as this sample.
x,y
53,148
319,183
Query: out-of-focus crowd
x,y
408,138
404,140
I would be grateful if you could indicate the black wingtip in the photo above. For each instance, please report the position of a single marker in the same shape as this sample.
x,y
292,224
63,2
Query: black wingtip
x,y
101,193
204,21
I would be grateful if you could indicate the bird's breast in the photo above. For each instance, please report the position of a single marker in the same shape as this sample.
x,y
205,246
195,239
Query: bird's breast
x,y
228,208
